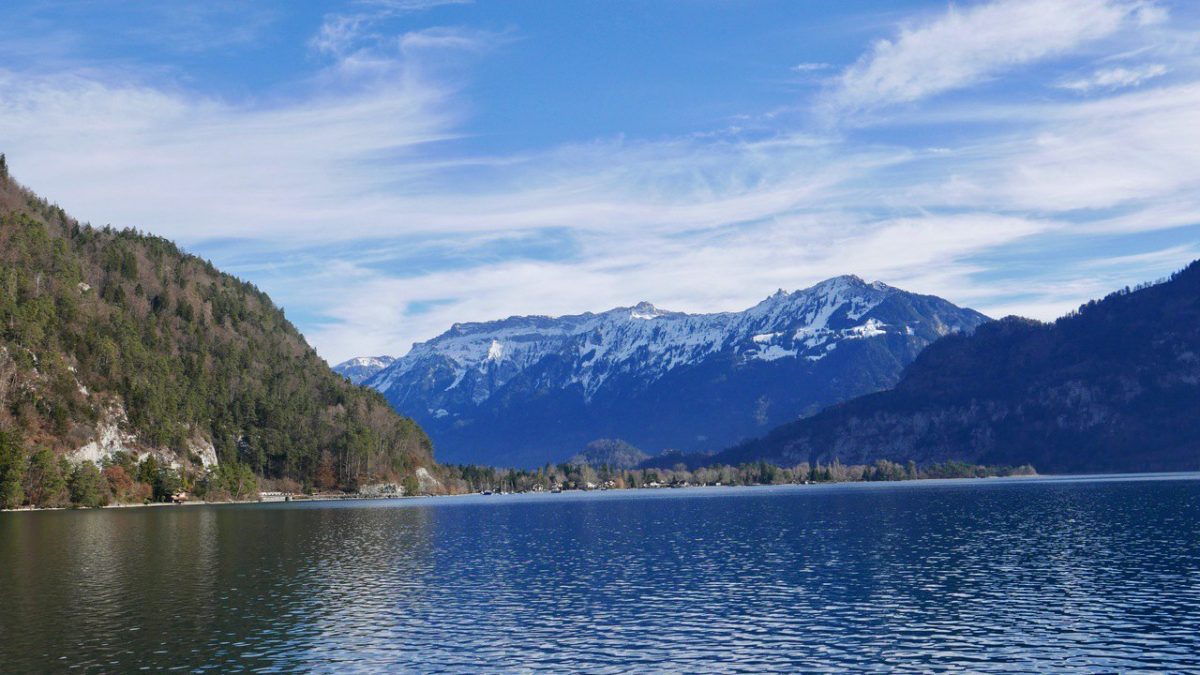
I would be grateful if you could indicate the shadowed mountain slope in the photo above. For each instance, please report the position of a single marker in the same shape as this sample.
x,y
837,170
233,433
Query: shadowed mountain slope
x,y
1112,387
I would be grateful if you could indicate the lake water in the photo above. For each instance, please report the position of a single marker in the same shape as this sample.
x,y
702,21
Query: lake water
x,y
1014,575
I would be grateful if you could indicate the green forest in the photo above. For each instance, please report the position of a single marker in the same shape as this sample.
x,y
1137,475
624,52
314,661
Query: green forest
x,y
97,320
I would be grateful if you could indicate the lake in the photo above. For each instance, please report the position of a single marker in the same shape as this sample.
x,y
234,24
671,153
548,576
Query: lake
x,y
1078,574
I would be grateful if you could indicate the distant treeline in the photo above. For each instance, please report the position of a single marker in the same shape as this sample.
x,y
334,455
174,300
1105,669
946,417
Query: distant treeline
x,y
474,478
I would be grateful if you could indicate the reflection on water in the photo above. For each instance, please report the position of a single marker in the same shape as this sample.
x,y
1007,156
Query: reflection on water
x,y
1002,575
216,588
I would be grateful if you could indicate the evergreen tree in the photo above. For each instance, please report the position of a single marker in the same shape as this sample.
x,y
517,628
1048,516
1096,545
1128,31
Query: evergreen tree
x,y
45,483
86,486
12,470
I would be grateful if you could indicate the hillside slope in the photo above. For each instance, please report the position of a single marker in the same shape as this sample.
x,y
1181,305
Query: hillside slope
x,y
115,340
529,390
1112,387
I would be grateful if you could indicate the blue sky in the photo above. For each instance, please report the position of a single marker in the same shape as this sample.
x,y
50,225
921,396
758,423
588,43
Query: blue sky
x,y
387,168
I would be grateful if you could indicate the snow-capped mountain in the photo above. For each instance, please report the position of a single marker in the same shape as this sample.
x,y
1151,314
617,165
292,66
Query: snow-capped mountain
x,y
533,389
359,368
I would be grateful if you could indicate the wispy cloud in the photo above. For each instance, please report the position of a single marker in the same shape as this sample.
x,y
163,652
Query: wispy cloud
x,y
133,154
342,33
964,46
195,27
710,271
1134,150
350,196
1115,78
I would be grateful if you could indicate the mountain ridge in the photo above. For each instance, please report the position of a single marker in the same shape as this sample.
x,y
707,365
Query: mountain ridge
x,y
1114,386
605,373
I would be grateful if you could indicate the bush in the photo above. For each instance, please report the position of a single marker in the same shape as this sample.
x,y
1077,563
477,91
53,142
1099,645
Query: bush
x,y
233,481
119,483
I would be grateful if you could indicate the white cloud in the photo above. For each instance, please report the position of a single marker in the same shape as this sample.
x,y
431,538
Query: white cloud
x,y
1137,151
700,272
136,155
963,46
339,177
1116,78
691,224
341,34
1133,149
359,159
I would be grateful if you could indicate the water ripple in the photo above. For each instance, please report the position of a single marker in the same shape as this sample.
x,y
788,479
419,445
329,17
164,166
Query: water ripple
x,y
1061,576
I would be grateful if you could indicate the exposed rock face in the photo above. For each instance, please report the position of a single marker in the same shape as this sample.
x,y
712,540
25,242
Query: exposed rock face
x,y
109,441
111,438
426,482
203,448
381,490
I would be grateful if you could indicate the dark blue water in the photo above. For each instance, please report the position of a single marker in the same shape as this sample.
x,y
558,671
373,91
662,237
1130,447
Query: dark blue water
x,y
1006,575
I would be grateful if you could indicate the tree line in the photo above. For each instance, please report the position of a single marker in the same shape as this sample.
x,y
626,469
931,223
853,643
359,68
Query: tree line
x,y
475,478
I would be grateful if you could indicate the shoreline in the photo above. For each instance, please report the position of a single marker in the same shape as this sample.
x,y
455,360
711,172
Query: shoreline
x,y
216,503
1092,476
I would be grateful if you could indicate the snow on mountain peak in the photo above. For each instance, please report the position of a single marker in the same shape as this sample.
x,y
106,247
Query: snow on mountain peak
x,y
641,339
646,311
359,368
495,351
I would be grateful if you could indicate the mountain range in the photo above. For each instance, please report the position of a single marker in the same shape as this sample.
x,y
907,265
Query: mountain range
x,y
528,390
1112,387
113,341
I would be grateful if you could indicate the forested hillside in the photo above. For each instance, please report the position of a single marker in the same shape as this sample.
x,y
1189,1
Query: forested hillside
x,y
113,334
1112,387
